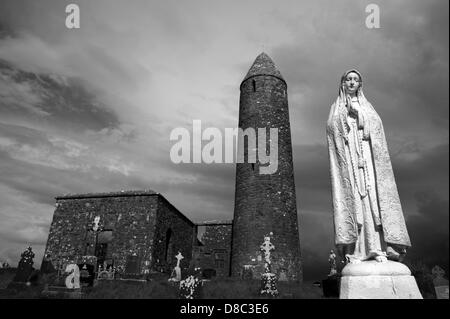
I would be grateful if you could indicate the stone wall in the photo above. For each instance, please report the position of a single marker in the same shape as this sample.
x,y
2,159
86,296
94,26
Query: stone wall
x,y
174,233
215,253
136,219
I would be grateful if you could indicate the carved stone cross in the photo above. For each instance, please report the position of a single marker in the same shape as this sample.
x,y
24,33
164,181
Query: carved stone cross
x,y
267,246
179,257
96,223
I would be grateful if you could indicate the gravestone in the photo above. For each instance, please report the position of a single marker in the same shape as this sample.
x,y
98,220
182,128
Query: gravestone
x,y
247,272
87,274
330,286
208,273
176,273
25,267
268,278
283,275
332,261
440,283
96,224
106,271
88,266
132,265
106,274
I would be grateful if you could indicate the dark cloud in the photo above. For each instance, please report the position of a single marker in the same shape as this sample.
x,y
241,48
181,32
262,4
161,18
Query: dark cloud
x,y
213,183
428,170
316,241
404,66
429,230
21,15
39,240
42,183
50,99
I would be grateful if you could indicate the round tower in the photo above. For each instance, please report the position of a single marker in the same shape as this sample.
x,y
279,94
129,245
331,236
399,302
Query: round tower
x,y
266,203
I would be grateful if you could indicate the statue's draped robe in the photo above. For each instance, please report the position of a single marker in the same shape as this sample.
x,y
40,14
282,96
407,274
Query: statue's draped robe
x,y
383,204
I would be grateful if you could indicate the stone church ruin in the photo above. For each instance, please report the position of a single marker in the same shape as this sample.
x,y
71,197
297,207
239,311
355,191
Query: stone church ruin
x,y
140,232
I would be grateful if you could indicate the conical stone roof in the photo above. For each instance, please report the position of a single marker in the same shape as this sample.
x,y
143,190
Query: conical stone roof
x,y
263,65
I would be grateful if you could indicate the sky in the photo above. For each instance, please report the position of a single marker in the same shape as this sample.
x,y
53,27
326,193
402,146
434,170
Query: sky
x,y
91,109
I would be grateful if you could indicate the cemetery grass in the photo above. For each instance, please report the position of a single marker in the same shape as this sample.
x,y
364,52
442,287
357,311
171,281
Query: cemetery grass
x,y
19,292
220,288
217,288
6,276
160,288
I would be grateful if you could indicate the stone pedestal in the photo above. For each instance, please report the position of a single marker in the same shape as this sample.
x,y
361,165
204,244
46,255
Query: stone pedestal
x,y
378,280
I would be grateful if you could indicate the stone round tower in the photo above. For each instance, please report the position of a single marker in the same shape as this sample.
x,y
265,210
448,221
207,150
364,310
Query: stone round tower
x,y
266,203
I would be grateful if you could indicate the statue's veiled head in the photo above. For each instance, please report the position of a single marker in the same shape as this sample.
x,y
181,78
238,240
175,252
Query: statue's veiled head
x,y
351,82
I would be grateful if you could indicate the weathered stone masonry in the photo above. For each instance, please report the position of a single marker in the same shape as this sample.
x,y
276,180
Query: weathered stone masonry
x,y
138,221
213,253
266,203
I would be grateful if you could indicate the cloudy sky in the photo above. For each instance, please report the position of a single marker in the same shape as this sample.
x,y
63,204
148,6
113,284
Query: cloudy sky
x,y
91,109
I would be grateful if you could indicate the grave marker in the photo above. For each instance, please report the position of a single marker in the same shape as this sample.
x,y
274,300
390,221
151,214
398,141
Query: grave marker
x,y
440,283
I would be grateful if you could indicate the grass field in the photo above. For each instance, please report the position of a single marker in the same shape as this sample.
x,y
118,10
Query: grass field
x,y
215,289
160,288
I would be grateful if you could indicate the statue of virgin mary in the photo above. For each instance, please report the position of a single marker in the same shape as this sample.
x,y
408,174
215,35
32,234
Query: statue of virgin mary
x,y
368,217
